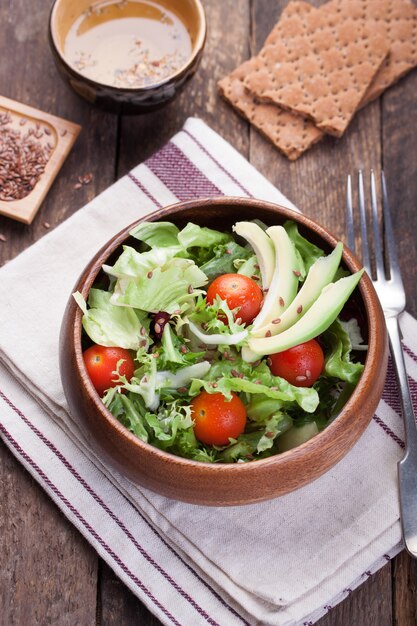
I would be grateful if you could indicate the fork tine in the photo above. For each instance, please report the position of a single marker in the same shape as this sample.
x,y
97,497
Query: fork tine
x,y
379,259
393,264
364,233
349,215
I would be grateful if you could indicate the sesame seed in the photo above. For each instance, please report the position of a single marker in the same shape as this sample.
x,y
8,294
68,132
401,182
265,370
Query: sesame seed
x,y
268,333
296,273
308,373
281,301
300,309
300,379
149,274
190,289
158,328
277,320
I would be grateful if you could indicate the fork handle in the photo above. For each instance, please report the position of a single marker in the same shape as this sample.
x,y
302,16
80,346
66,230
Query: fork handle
x,y
407,467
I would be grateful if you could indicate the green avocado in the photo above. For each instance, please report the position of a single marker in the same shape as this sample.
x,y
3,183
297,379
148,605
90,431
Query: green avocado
x,y
317,319
262,246
284,283
321,274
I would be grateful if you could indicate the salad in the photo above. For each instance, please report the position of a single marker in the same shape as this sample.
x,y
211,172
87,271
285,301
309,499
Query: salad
x,y
222,347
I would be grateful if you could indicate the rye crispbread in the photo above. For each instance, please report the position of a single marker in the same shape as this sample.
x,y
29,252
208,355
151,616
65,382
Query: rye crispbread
x,y
395,20
321,69
290,133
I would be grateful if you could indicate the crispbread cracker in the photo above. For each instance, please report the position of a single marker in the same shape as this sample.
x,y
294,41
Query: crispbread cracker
x,y
396,20
290,133
317,70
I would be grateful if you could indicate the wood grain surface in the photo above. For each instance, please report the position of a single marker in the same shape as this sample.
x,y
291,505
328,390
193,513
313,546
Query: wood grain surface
x,y
48,573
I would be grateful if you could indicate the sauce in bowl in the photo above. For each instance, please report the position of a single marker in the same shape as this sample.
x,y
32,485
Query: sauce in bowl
x,y
128,43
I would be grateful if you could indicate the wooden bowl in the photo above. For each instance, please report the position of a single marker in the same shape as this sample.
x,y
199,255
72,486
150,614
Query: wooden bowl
x,y
124,99
223,484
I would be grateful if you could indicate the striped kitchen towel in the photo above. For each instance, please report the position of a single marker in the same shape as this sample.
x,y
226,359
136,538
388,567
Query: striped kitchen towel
x,y
284,562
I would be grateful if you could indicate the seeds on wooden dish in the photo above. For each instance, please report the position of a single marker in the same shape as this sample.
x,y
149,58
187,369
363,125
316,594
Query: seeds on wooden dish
x,y
22,159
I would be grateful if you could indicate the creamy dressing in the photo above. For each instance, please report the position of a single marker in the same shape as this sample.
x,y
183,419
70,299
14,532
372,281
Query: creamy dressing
x,y
128,43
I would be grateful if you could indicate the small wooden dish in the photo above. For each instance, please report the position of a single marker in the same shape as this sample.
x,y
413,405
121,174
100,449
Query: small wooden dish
x,y
223,484
54,132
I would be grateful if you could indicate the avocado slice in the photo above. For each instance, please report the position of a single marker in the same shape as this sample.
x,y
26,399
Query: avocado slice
x,y
262,246
321,274
284,283
317,319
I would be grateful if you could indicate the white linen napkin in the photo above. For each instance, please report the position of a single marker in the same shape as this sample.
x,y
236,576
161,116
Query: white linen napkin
x,y
281,563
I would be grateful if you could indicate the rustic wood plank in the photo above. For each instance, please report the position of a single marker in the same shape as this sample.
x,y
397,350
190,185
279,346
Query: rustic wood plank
x,y
316,184
405,591
399,108
226,47
34,80
48,573
117,605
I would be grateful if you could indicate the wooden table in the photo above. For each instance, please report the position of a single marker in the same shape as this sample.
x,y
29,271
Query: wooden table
x,y
49,574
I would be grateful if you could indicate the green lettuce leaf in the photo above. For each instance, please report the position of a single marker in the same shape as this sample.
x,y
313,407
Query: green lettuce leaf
x,y
110,325
156,234
307,252
165,288
223,260
338,347
226,374
174,352
192,236
134,264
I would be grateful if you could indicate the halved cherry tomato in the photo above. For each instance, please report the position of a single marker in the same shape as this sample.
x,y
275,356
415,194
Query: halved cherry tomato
x,y
101,363
238,291
216,419
300,365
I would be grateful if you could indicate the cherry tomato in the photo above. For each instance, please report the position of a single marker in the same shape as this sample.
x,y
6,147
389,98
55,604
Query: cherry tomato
x,y
216,419
101,362
238,291
300,365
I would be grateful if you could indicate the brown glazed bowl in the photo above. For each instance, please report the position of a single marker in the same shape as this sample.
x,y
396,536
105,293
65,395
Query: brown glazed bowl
x,y
223,484
118,99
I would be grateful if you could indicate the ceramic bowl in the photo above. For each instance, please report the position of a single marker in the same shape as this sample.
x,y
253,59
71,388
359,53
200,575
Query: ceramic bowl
x,y
223,484
118,99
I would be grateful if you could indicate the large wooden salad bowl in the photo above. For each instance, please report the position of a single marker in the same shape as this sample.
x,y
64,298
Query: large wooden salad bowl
x,y
223,484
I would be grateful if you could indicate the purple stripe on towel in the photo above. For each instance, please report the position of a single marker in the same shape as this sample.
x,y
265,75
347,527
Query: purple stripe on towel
x,y
388,431
391,394
113,516
144,189
219,165
86,525
410,352
180,175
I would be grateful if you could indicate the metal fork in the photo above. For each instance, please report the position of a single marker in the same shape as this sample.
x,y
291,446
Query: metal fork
x,y
391,294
